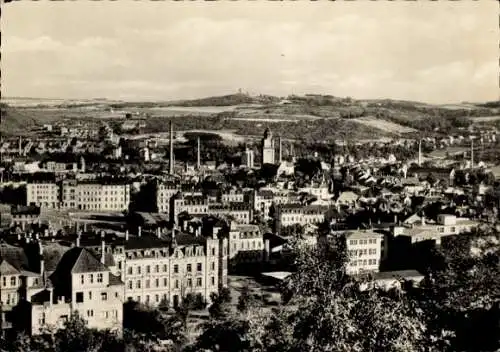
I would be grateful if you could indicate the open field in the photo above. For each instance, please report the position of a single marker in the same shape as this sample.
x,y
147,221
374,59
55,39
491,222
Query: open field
x,y
485,118
384,125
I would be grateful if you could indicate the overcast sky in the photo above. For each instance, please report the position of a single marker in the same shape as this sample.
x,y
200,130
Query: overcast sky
x,y
429,51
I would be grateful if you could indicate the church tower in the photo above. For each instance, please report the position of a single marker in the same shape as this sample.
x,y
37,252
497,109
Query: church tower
x,y
268,150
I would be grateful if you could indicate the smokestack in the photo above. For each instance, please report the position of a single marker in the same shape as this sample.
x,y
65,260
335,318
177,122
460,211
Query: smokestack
x,y
279,150
420,153
198,159
103,250
171,160
472,153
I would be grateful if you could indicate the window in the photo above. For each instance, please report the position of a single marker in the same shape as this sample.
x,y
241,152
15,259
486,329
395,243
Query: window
x,y
148,269
130,271
164,268
130,285
79,297
41,320
353,242
188,268
138,270
138,284
139,299
82,279
91,278
198,267
90,295
147,298
157,298
213,250
189,283
165,282
213,265
212,279
13,281
157,282
147,283
198,282
99,277
90,313
157,268
176,283
104,296
176,269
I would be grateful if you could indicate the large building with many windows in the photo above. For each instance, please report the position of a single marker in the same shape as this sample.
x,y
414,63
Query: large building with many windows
x,y
43,194
365,251
95,195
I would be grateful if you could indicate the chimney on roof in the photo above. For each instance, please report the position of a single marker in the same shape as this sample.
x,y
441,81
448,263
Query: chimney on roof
x,y
42,262
126,235
78,239
395,218
103,250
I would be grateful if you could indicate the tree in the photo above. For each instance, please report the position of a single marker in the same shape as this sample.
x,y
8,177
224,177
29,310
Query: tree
x,y
245,300
219,309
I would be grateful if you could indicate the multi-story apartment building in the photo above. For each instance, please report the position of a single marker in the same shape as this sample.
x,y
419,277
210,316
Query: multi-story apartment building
x,y
246,244
232,196
446,225
163,193
291,214
192,204
262,201
241,212
45,194
163,269
365,251
95,195
43,299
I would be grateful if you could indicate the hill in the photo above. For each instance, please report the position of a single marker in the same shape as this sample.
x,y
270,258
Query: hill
x,y
229,100
14,122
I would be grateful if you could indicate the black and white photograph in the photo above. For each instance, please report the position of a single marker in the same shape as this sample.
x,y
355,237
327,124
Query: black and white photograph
x,y
250,176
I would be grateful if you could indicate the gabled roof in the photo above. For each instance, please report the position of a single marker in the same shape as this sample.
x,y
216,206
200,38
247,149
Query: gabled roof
x,y
79,260
6,268
15,256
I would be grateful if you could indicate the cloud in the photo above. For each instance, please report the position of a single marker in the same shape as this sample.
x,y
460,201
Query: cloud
x,y
401,50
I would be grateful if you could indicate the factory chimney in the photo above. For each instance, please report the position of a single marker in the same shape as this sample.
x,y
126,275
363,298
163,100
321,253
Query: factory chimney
x,y
171,160
280,155
420,152
198,159
472,153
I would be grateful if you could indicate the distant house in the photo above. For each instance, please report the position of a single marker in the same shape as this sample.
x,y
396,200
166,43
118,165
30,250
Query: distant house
x,y
347,198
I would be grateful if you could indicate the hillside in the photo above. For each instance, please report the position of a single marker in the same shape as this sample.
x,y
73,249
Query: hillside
x,y
228,100
14,122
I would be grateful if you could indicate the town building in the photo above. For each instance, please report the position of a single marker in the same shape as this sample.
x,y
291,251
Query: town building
x,y
44,194
365,251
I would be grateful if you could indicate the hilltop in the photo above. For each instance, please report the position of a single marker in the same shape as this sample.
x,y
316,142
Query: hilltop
x,y
310,117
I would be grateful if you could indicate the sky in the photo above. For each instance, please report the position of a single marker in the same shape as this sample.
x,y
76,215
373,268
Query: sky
x,y
436,52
